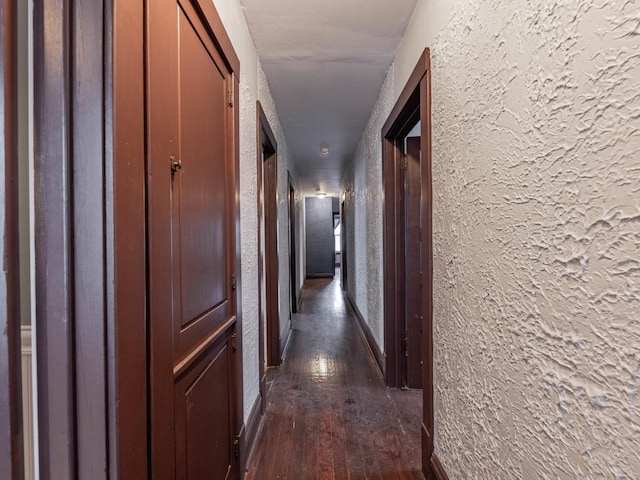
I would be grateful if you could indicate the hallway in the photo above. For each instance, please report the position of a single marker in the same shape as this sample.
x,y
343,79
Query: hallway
x,y
174,171
329,416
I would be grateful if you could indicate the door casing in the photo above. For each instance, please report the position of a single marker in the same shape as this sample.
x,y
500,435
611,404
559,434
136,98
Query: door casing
x,y
413,104
11,450
268,276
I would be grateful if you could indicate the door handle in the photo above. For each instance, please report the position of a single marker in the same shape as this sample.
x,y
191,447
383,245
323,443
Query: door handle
x,y
175,164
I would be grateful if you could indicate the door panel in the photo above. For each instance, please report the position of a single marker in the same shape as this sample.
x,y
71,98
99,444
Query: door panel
x,y
191,247
200,192
413,276
204,422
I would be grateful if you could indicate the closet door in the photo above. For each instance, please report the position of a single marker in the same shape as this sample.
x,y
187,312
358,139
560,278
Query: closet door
x,y
191,241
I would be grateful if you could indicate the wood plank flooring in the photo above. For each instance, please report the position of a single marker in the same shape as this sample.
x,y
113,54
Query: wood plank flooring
x,y
329,415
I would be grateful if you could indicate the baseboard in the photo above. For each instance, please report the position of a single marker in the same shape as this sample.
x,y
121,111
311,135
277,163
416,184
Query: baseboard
x,y
366,331
437,468
301,295
321,275
251,432
284,342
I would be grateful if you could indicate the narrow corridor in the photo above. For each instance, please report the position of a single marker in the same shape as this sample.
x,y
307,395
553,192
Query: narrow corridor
x,y
329,415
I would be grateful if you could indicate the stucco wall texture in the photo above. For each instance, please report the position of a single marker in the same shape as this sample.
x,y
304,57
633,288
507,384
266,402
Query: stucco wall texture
x,y
249,245
536,229
284,165
363,202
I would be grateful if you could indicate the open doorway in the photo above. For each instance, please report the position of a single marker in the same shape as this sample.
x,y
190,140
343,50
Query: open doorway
x,y
320,218
343,248
409,261
337,234
269,330
292,246
408,253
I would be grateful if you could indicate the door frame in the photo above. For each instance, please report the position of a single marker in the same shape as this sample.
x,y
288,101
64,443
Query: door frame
x,y
343,247
71,257
89,246
11,434
413,104
292,245
268,276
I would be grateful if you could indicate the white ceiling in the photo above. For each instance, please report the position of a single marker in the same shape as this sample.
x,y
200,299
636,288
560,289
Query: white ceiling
x,y
325,61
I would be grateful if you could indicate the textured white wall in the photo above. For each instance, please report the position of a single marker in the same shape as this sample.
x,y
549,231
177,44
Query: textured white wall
x,y
363,202
428,19
249,244
536,177
253,87
284,165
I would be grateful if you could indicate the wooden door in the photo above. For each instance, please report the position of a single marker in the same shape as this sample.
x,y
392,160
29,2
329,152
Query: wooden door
x,y
191,242
412,274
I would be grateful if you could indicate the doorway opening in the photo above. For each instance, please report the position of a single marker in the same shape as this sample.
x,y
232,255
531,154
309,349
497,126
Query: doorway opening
x,y
269,330
343,248
292,247
409,271
407,251
337,235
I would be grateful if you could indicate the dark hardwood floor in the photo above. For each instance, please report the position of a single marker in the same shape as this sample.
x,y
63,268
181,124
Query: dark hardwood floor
x,y
329,415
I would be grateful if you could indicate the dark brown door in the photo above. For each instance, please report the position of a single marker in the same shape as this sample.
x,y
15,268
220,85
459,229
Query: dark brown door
x,y
413,276
191,241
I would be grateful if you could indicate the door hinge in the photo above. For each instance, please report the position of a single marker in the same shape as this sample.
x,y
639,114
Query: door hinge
x,y
403,163
405,345
231,93
236,446
234,343
233,281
